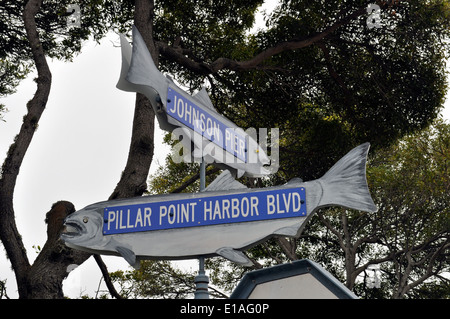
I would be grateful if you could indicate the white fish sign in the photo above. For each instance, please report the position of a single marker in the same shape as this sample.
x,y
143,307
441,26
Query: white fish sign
x,y
226,219
214,137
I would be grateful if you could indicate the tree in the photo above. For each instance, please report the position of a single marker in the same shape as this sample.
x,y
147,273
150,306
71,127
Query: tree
x,y
331,81
412,183
21,49
409,235
408,238
58,39
158,279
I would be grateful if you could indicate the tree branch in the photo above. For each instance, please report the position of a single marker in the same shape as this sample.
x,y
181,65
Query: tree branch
x,y
106,277
288,247
179,55
193,178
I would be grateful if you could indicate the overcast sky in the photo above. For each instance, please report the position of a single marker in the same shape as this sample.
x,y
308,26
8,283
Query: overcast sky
x,y
77,153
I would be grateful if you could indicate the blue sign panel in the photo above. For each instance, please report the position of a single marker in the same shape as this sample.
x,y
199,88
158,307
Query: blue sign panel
x,y
185,111
204,211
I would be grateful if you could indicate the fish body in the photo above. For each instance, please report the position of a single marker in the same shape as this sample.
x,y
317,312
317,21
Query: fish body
x,y
192,117
226,219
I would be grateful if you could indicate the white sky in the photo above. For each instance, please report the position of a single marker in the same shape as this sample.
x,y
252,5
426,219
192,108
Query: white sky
x,y
77,153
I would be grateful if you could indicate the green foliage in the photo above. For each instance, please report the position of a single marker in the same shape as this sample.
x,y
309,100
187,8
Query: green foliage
x,y
207,29
155,279
376,84
407,237
171,176
58,39
356,85
409,234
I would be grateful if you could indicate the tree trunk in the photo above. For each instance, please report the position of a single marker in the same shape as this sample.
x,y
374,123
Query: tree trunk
x,y
9,234
52,265
44,278
133,181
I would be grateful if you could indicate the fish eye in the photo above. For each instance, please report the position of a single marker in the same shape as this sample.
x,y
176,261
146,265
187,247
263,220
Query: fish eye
x,y
85,219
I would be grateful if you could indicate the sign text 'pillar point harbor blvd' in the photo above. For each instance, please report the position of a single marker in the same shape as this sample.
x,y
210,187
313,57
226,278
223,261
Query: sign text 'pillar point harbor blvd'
x,y
224,209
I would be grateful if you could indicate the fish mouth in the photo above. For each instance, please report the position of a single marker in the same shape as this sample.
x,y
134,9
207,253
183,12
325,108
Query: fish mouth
x,y
72,229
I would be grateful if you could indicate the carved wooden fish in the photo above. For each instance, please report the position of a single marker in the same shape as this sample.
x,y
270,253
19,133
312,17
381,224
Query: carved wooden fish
x,y
212,135
226,219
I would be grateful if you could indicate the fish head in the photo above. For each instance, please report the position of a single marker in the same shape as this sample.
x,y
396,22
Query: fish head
x,y
83,229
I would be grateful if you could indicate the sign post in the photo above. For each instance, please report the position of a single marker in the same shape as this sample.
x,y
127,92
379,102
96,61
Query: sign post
x,y
201,280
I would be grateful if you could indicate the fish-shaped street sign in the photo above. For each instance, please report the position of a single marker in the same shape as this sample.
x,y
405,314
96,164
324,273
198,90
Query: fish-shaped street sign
x,y
214,137
225,219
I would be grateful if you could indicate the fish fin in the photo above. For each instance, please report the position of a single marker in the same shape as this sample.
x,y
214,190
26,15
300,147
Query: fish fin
x,y
203,97
129,256
240,173
287,231
225,181
235,256
345,183
294,181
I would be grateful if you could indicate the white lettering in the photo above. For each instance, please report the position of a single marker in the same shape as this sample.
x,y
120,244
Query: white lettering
x,y
216,210
202,124
161,213
111,218
279,210
234,207
180,110
287,203
196,118
121,226
225,208
245,207
188,113
192,211
206,210
138,219
254,204
209,127
147,214
227,138
172,214
241,147
128,220
296,200
174,106
217,133
270,204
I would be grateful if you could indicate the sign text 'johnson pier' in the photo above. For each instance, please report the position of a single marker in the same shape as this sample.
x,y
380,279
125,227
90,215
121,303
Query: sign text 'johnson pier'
x,y
206,124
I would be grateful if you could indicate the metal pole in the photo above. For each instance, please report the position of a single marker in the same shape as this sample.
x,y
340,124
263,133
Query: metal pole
x,y
201,280
202,175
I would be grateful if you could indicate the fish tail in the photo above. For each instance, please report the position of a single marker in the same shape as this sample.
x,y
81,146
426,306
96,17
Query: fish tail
x,y
345,183
126,50
139,72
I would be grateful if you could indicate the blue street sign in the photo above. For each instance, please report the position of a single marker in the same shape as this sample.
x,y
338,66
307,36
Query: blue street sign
x,y
204,211
187,112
